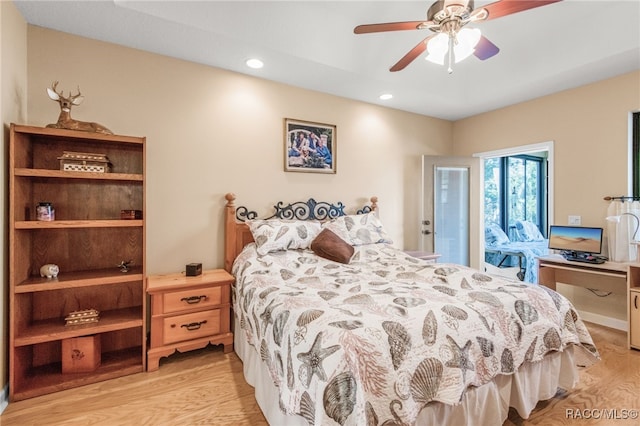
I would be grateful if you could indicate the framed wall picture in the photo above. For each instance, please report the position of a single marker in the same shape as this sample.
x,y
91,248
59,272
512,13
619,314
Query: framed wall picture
x,y
309,147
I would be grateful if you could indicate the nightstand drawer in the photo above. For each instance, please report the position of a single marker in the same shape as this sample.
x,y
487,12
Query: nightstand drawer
x,y
179,301
191,326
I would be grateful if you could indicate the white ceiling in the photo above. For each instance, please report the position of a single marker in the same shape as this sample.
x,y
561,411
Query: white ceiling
x,y
311,44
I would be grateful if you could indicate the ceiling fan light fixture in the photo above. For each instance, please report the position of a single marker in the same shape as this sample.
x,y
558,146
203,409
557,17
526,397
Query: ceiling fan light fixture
x,y
437,48
463,47
467,40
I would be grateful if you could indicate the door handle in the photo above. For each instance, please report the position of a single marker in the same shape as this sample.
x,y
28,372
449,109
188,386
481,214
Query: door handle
x,y
426,232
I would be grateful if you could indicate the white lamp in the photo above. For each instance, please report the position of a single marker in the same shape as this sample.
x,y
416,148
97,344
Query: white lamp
x,y
618,235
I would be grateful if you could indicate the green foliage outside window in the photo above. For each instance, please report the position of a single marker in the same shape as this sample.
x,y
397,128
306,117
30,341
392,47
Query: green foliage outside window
x,y
514,190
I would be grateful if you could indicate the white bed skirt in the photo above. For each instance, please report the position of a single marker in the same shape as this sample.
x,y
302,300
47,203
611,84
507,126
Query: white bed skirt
x,y
483,406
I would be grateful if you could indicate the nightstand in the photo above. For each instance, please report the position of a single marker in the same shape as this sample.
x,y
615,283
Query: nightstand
x,y
188,313
424,255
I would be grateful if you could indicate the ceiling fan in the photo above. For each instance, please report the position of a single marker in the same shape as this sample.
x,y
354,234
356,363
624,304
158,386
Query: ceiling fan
x,y
446,18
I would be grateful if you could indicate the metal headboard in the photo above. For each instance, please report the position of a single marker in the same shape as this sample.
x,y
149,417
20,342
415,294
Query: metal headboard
x,y
301,210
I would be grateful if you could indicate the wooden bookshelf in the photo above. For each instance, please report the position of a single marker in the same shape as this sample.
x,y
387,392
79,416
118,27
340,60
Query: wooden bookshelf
x,y
87,240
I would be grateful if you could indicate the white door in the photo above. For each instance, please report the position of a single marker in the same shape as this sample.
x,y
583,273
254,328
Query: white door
x,y
451,209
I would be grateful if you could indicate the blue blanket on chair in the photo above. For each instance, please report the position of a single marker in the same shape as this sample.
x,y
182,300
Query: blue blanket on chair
x,y
528,251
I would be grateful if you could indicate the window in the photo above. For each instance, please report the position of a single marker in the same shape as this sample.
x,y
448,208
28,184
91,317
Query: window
x,y
515,190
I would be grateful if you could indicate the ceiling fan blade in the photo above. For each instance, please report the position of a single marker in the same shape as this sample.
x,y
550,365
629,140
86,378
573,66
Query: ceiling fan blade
x,y
485,49
389,26
507,7
411,55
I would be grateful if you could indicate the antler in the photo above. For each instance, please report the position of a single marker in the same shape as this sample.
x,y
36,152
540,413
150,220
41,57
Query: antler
x,y
72,98
54,87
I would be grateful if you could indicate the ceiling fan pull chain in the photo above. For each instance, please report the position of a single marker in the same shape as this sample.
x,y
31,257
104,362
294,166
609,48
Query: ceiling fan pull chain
x,y
450,69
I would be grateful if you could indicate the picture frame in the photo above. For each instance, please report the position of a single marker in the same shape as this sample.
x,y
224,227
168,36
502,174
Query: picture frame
x,y
309,147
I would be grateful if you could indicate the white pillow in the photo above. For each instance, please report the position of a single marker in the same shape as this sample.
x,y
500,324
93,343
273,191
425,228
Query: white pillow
x,y
278,234
359,229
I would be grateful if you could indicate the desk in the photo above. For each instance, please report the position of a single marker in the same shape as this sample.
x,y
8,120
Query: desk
x,y
622,278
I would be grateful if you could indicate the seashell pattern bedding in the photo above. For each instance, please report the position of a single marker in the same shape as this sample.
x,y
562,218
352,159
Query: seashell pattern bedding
x,y
375,340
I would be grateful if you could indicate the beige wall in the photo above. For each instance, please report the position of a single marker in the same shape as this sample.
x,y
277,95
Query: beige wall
x,y
590,129
211,131
13,97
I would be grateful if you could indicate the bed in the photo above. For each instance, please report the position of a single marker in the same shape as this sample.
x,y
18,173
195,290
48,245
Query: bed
x,y
378,337
521,248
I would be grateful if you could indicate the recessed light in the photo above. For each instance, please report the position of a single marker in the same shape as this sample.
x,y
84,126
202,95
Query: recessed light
x,y
254,63
386,96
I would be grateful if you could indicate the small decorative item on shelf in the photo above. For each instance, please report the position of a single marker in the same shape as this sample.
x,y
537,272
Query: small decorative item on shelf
x,y
64,119
84,162
86,316
125,265
130,214
50,270
45,212
81,354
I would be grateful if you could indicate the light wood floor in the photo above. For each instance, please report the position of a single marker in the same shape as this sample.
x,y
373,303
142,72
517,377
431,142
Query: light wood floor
x,y
207,387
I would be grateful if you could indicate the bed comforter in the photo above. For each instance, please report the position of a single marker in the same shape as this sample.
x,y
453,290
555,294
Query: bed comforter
x,y
375,340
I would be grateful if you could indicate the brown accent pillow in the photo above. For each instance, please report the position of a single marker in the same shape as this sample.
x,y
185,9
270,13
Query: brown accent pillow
x,y
330,246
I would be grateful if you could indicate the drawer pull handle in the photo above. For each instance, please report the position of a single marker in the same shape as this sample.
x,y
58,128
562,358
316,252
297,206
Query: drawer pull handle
x,y
194,325
192,300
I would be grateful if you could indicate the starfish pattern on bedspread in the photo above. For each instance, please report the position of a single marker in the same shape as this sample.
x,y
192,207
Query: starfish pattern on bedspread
x,y
312,360
267,316
460,356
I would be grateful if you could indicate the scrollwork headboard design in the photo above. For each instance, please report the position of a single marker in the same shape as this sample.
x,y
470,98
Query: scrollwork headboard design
x,y
238,235
300,210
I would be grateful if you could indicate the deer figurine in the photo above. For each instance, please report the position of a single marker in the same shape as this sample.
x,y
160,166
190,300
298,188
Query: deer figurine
x,y
64,120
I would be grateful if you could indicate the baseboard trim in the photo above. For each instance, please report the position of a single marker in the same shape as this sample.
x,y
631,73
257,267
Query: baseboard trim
x,y
603,320
4,398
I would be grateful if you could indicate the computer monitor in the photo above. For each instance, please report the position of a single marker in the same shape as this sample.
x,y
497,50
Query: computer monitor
x,y
575,239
